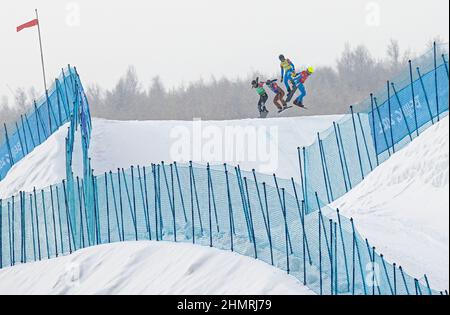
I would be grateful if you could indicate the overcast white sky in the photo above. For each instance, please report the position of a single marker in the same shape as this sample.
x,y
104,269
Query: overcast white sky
x,y
184,40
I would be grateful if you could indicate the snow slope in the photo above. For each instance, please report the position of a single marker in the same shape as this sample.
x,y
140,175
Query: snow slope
x,y
268,145
402,207
149,268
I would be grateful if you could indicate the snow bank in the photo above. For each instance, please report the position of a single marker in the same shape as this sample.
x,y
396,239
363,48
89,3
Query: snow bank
x,y
268,145
402,207
149,268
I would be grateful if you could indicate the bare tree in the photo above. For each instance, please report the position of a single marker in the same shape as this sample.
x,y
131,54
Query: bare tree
x,y
393,53
21,99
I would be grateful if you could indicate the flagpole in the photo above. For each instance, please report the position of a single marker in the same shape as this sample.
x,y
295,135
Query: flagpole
x,y
43,73
42,54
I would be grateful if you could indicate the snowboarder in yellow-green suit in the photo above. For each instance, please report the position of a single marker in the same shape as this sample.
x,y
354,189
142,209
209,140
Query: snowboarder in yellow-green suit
x,y
263,97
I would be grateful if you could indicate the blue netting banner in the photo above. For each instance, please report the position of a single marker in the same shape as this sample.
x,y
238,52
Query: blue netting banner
x,y
49,113
409,109
354,146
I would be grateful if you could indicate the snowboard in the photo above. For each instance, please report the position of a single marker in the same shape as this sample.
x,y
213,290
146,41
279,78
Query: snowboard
x,y
302,106
291,94
285,108
263,114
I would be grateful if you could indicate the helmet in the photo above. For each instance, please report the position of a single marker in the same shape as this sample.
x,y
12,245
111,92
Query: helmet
x,y
281,57
310,69
254,83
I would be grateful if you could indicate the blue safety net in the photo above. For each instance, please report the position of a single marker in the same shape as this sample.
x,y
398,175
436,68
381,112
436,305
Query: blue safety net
x,y
342,156
221,207
49,113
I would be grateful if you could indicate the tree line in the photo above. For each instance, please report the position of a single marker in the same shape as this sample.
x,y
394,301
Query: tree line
x,y
331,90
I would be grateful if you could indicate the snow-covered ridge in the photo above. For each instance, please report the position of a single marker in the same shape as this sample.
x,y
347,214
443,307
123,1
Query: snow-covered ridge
x,y
124,143
402,207
149,268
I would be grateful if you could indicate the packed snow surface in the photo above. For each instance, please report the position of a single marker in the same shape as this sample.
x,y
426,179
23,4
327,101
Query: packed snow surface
x,y
149,268
268,145
402,207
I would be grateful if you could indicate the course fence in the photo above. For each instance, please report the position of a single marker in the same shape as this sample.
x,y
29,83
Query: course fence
x,y
221,207
346,153
282,222
49,113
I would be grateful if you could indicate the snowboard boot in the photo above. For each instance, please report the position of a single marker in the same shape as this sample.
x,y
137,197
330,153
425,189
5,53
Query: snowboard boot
x,y
299,104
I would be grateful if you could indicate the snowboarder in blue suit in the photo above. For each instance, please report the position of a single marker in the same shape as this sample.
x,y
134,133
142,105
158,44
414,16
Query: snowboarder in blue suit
x,y
287,68
299,80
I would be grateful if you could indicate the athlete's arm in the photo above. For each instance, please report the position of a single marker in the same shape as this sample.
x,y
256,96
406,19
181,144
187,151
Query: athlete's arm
x,y
292,65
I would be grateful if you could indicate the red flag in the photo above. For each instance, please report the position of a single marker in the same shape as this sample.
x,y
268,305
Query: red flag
x,y
27,25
